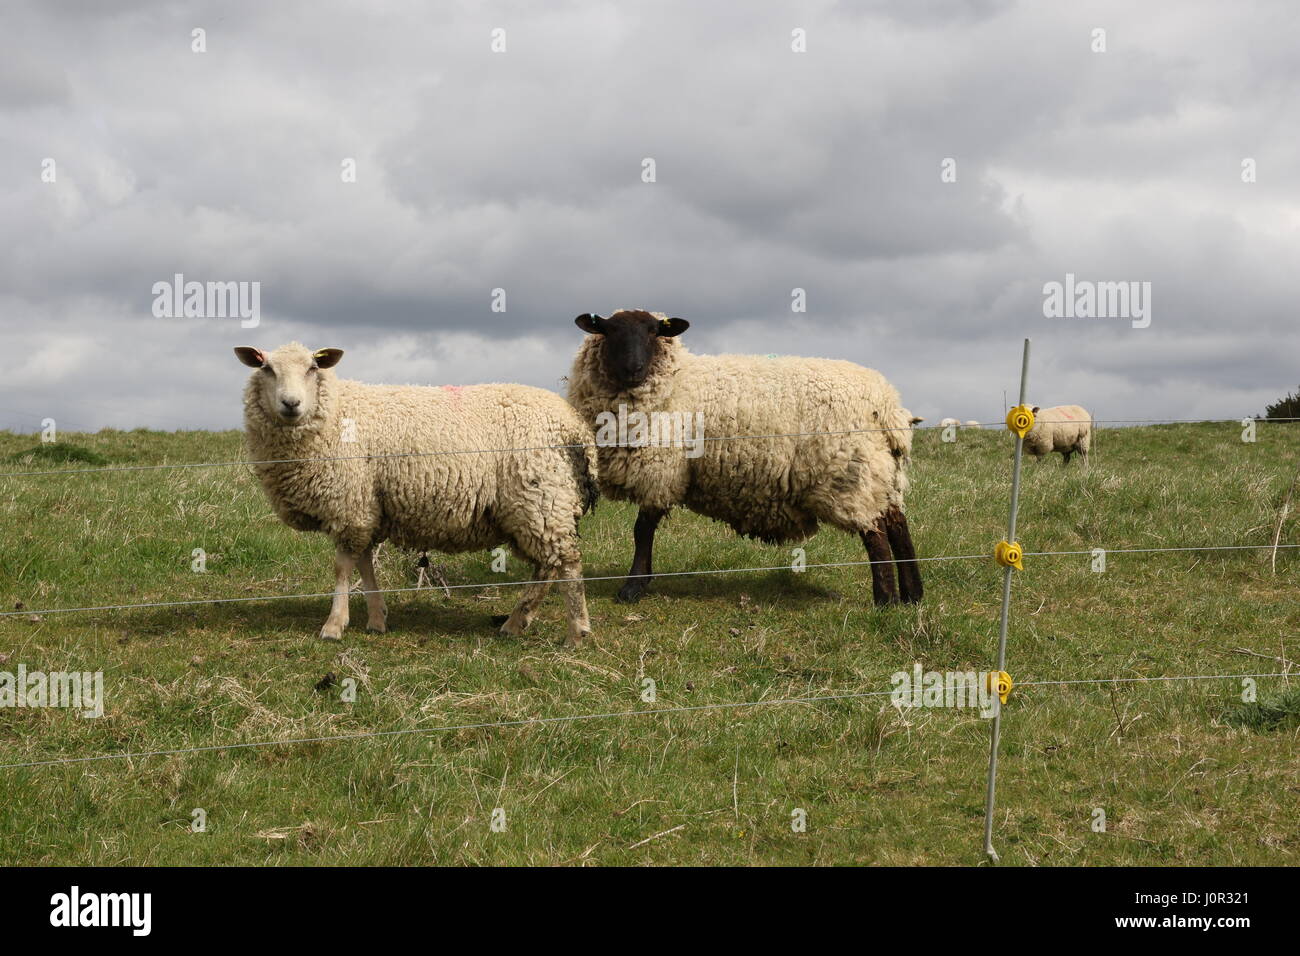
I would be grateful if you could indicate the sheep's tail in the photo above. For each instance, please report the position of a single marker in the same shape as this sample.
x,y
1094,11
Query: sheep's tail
x,y
898,423
582,458
898,433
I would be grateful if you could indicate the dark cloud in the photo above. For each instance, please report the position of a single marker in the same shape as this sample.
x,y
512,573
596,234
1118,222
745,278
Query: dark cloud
x,y
775,170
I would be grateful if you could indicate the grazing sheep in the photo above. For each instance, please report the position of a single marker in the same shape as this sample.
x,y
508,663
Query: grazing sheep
x,y
972,424
1063,428
841,452
946,422
354,462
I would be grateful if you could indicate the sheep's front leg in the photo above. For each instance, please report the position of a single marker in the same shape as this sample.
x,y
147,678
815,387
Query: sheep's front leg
x,y
638,577
376,610
344,563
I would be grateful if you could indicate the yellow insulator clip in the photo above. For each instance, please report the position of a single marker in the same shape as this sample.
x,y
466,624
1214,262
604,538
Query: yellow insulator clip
x,y
1020,419
1009,554
1000,683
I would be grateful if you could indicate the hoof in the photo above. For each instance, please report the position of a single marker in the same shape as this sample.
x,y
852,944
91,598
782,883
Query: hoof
x,y
577,641
331,636
508,628
377,628
630,593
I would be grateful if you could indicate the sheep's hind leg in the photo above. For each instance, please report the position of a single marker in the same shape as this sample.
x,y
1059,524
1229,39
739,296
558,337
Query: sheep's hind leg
x,y
376,609
344,563
883,589
575,601
638,576
526,609
900,541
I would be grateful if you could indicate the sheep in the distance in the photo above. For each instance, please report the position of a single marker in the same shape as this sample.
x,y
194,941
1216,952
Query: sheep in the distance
x,y
448,469
840,452
1063,428
949,423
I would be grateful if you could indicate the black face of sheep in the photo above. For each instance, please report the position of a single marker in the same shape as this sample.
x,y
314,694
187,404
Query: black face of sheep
x,y
631,338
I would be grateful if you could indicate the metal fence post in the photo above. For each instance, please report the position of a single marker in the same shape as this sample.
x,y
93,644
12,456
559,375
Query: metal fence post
x,y
1002,630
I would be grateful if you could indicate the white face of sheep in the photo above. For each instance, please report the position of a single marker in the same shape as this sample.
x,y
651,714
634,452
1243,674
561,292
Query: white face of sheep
x,y
287,379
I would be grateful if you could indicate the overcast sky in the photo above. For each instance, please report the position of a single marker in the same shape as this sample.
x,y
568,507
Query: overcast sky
x,y
775,170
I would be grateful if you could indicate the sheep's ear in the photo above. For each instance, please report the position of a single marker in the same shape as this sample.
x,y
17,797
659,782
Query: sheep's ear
x,y
916,420
1034,409
253,358
327,358
590,323
670,327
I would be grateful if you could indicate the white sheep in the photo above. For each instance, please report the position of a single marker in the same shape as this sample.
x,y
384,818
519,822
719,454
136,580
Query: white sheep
x,y
841,452
949,422
1063,428
357,463
972,424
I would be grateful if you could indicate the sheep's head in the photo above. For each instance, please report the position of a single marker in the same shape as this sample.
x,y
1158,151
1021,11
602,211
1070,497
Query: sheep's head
x,y
630,342
287,381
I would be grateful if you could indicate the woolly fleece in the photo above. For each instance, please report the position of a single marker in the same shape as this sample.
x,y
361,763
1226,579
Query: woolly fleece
x,y
1063,428
527,496
774,489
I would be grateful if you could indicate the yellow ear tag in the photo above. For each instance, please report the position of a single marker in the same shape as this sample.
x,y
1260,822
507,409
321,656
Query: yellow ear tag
x,y
1000,682
1009,554
1020,419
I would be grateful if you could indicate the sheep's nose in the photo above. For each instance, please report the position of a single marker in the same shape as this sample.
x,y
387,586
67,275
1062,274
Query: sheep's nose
x,y
291,402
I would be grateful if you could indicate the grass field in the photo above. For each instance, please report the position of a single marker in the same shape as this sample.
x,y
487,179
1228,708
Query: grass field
x,y
1184,772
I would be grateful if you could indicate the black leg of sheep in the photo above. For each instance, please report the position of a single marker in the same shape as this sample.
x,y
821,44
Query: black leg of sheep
x,y
883,588
900,541
638,577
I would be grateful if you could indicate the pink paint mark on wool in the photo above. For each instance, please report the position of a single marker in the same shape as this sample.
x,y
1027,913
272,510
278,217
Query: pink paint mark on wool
x,y
455,391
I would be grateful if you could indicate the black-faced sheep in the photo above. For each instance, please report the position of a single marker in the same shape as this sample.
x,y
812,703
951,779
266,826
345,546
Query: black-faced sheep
x,y
841,452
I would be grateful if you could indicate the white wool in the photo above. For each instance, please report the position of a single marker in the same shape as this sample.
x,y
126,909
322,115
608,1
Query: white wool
x,y
362,473
842,459
1062,428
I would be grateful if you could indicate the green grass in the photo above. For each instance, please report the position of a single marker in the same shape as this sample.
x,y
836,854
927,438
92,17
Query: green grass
x,y
1185,775
1273,713
56,453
